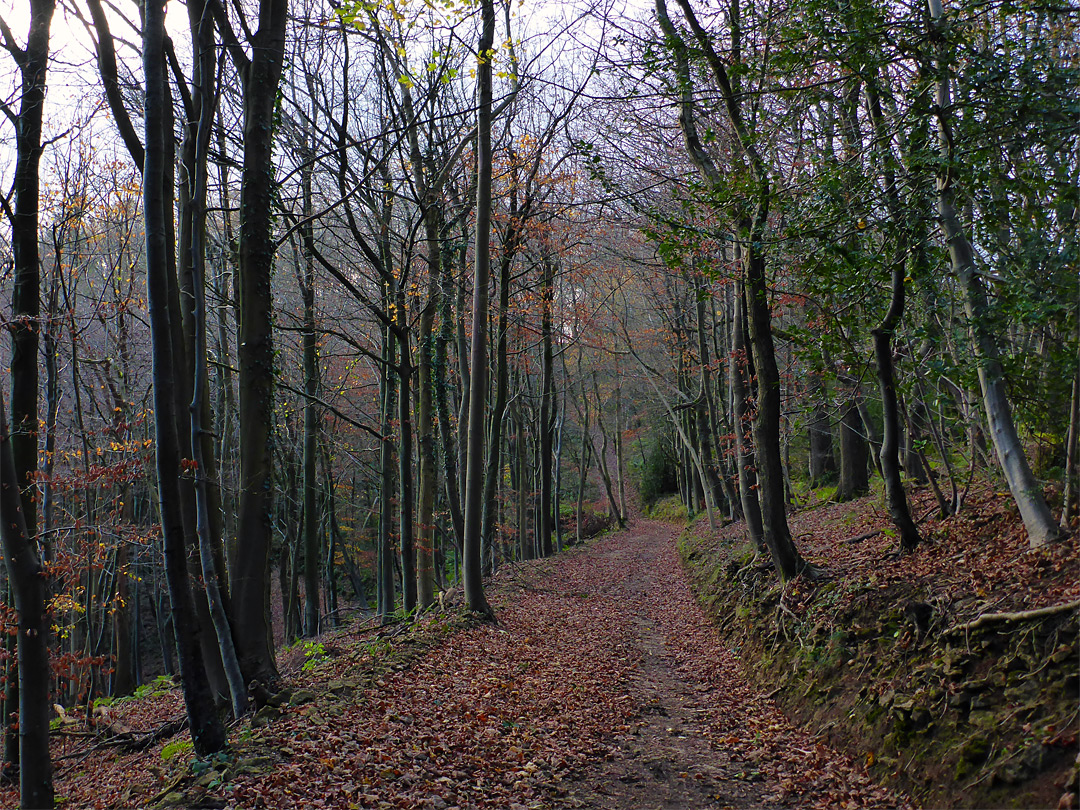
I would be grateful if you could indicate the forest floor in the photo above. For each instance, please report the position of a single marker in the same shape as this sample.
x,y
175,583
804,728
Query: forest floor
x,y
602,686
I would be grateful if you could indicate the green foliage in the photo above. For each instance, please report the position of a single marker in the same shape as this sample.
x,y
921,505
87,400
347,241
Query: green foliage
x,y
176,748
161,685
658,473
314,654
378,647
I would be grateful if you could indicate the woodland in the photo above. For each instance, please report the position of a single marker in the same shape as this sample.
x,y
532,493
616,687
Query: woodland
x,y
330,314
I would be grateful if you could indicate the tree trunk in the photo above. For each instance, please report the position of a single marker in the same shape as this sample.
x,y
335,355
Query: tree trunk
x,y
822,461
1072,473
883,338
475,598
1025,489
405,464
333,536
310,488
547,401
255,347
26,576
33,64
854,453
704,408
493,471
741,373
767,419
207,732
425,424
386,476
202,451
447,434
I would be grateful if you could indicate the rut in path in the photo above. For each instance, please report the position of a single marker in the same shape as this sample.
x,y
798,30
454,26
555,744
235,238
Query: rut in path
x,y
603,686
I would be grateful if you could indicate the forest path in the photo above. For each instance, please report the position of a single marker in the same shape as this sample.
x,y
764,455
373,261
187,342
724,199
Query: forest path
x,y
700,735
669,757
603,686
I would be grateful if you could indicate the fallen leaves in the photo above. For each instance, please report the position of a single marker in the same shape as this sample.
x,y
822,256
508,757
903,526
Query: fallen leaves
x,y
553,707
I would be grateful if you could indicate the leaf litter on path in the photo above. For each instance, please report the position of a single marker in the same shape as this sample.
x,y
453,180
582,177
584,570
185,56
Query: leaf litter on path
x,y
602,686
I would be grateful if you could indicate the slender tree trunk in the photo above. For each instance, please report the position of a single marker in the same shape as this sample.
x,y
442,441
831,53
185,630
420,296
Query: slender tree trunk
x,y
447,434
312,544
475,598
883,340
704,407
464,352
601,457
740,373
493,471
547,397
207,731
201,446
255,347
767,419
1025,488
386,478
333,535
1068,507
425,427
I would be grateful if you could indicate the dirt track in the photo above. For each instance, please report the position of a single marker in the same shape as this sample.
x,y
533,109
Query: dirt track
x,y
700,736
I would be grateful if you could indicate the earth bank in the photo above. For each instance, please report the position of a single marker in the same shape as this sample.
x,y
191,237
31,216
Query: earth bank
x,y
952,674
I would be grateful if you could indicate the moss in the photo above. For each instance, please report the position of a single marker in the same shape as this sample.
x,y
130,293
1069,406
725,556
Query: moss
x,y
852,646
670,510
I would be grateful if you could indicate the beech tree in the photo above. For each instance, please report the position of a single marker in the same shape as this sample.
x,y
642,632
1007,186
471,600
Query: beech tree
x,y
29,684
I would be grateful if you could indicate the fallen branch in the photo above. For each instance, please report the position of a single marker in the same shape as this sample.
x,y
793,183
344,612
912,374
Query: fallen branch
x,y
853,540
163,731
1020,616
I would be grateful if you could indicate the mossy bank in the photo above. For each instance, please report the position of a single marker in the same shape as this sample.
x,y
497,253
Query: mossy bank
x,y
978,716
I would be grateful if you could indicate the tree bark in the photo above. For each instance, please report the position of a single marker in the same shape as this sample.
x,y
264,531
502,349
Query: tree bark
x,y
312,544
26,575
207,732
202,452
407,550
493,469
854,452
822,461
547,401
1025,489
1072,468
704,408
751,228
741,372
386,586
475,598
260,78
32,62
447,435
895,494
